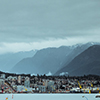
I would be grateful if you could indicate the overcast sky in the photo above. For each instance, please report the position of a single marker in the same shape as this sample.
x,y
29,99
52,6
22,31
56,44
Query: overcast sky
x,y
36,24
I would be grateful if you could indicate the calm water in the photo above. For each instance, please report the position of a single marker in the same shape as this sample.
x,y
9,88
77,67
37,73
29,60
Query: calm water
x,y
48,96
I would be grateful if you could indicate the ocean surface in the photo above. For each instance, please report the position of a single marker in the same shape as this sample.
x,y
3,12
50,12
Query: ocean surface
x,y
48,97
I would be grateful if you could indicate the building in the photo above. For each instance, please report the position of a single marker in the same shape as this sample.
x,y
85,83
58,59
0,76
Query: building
x,y
1,83
27,82
51,86
20,88
46,83
3,76
42,88
12,78
19,79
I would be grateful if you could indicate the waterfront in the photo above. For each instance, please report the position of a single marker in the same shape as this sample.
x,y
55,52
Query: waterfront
x,y
48,96
13,83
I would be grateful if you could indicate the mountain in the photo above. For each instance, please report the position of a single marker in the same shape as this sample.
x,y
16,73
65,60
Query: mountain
x,y
8,60
79,48
49,59
43,61
88,62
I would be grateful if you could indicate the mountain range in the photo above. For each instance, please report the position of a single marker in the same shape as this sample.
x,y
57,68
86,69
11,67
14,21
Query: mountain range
x,y
76,60
88,62
50,59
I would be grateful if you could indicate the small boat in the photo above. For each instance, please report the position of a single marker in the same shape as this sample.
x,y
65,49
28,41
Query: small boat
x,y
97,96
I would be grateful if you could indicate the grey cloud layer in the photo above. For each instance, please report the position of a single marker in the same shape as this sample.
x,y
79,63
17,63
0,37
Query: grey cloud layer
x,y
28,20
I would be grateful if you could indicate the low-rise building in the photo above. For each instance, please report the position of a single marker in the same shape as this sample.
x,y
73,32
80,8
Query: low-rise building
x,y
42,88
2,81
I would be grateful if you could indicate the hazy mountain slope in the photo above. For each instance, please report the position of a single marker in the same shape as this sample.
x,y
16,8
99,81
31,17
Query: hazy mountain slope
x,y
50,59
76,51
7,61
88,62
44,60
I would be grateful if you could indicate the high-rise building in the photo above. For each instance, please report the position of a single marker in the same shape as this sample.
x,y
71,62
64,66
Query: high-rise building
x,y
27,82
1,83
45,83
3,76
19,79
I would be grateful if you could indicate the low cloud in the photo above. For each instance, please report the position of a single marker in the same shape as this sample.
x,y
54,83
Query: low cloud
x,y
23,46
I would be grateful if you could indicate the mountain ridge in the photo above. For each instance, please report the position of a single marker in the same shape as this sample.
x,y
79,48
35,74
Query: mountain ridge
x,y
81,64
49,59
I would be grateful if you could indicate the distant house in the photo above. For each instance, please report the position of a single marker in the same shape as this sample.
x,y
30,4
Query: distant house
x,y
12,78
3,76
20,88
51,86
42,88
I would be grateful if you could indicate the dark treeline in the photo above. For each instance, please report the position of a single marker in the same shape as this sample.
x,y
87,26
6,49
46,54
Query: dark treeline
x,y
85,77
14,74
